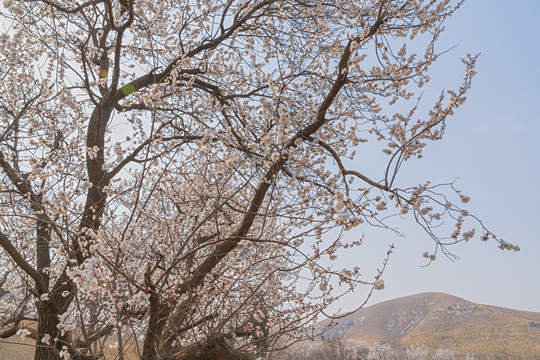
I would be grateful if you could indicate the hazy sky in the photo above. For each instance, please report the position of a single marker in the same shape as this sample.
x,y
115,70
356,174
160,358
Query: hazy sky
x,y
492,146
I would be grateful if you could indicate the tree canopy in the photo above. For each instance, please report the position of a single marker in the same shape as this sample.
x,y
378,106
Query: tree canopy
x,y
177,175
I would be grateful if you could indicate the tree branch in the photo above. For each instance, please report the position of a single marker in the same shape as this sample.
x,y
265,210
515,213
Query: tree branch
x,y
22,263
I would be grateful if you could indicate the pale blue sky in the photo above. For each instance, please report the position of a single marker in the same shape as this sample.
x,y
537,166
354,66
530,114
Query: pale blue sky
x,y
492,146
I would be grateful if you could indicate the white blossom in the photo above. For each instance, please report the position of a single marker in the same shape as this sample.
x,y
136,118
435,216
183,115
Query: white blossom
x,y
46,339
64,353
378,284
23,333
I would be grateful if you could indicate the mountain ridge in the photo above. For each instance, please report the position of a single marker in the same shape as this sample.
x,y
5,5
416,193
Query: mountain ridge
x,y
440,320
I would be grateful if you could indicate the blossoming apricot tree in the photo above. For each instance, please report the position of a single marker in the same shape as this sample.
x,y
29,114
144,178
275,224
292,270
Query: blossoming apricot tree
x,y
171,171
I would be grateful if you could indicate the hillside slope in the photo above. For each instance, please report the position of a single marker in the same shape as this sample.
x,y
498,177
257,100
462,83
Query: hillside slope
x,y
444,321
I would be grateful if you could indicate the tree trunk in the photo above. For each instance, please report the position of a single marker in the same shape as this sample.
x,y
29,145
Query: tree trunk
x,y
47,319
215,349
159,313
47,324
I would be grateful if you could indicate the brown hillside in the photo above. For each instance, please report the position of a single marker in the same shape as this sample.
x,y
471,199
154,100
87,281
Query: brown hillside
x,y
443,321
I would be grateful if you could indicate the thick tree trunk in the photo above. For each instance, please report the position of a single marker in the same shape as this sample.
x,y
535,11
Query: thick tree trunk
x,y
47,319
47,324
159,313
43,256
47,314
216,349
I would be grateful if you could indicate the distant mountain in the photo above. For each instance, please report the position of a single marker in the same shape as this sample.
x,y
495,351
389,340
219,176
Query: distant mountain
x,y
440,320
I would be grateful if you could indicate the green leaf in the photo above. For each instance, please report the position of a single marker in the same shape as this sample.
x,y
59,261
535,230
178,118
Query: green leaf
x,y
128,89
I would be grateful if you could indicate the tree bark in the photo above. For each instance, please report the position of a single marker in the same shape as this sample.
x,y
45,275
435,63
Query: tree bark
x,y
91,219
215,349
159,313
47,324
